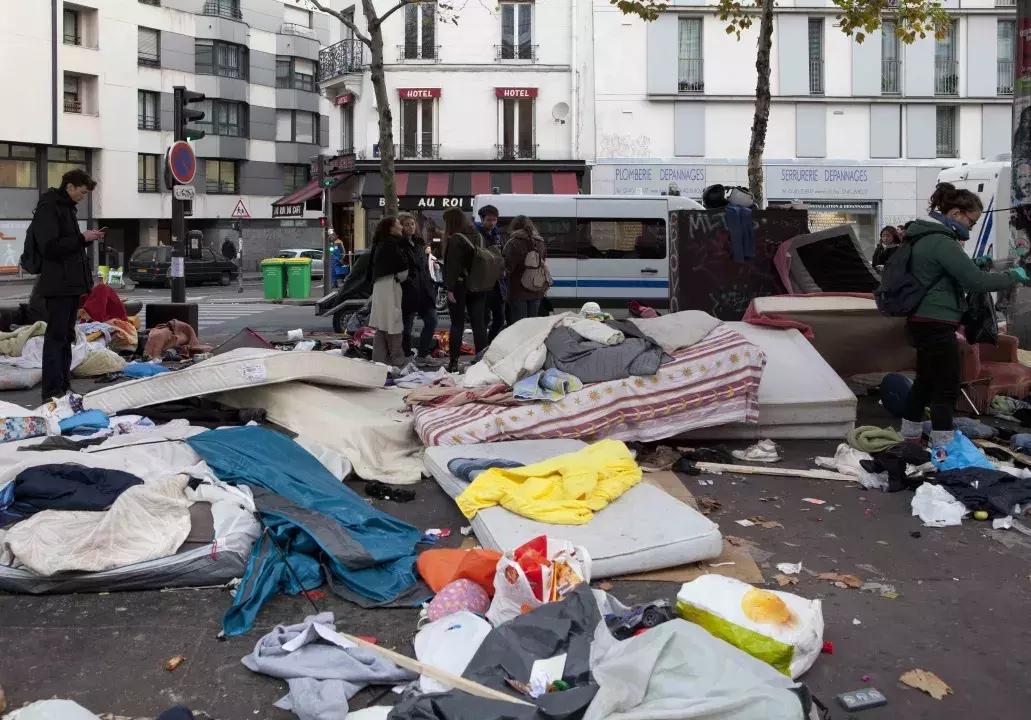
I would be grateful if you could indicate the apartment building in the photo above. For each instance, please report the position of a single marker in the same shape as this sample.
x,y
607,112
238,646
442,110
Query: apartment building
x,y
857,131
89,84
495,99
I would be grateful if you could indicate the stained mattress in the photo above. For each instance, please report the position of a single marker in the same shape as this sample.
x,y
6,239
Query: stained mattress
x,y
644,529
714,382
241,368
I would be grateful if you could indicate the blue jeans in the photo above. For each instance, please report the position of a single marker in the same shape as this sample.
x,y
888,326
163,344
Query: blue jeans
x,y
519,309
428,313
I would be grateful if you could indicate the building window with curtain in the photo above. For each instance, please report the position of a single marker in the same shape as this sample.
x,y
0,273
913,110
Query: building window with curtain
x,y
72,93
212,57
297,16
224,117
689,56
420,32
295,73
891,60
147,173
220,177
148,110
946,68
945,131
516,110
148,53
297,126
72,27
61,160
17,166
1007,45
295,177
816,56
347,129
417,121
517,32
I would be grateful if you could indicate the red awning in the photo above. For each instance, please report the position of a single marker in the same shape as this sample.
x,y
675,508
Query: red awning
x,y
467,184
297,197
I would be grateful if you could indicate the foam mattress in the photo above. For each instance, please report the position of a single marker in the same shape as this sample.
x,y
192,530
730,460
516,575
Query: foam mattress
x,y
645,529
241,368
800,395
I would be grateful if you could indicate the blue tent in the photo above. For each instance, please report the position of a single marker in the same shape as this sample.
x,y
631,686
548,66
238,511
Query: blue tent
x,y
323,529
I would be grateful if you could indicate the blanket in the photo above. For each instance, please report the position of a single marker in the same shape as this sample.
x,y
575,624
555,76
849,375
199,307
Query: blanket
x,y
516,352
678,330
174,334
594,362
103,304
11,343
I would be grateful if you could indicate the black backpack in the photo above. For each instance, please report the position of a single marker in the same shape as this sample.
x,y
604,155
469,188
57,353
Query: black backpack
x,y
900,292
31,258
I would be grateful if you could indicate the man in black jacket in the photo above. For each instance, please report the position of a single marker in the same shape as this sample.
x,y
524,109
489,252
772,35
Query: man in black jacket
x,y
66,274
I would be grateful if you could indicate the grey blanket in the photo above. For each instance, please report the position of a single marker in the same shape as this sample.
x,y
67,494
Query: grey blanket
x,y
593,362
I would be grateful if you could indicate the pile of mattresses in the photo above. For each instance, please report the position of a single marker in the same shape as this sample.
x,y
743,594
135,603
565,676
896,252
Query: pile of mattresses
x,y
644,529
830,260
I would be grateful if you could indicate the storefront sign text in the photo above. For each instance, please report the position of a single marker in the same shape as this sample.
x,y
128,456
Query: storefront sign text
x,y
288,211
801,182
657,179
515,92
419,202
418,93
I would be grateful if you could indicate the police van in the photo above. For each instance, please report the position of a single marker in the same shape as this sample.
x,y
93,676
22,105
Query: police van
x,y
607,248
990,180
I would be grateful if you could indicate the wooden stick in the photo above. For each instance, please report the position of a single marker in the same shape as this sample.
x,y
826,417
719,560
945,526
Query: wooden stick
x,y
773,471
1019,457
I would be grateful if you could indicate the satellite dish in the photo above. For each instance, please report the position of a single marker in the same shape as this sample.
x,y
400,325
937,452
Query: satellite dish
x,y
560,112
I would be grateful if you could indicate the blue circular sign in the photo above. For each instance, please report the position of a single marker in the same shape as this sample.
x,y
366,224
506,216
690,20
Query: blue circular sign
x,y
182,163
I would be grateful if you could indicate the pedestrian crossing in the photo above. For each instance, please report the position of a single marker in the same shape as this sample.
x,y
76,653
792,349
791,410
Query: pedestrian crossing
x,y
213,315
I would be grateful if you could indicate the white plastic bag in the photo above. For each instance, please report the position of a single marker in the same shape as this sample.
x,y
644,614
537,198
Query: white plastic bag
x,y
936,506
541,570
779,628
449,644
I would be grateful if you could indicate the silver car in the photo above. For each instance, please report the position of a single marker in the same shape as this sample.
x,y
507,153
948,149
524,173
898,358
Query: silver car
x,y
315,255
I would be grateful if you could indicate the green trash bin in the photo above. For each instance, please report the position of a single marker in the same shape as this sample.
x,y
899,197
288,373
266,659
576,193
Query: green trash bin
x,y
274,278
298,278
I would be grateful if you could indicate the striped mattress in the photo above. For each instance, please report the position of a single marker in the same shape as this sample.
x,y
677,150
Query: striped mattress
x,y
714,382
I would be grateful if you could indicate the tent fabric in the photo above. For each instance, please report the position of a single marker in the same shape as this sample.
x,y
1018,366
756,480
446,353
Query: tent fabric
x,y
309,514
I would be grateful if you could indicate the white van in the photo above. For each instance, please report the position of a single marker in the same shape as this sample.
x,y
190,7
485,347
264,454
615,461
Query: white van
x,y
608,248
991,181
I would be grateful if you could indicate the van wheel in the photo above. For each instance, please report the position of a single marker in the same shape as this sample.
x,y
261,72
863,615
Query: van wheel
x,y
224,279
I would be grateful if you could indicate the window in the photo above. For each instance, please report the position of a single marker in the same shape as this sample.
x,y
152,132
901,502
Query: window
x,y
689,53
148,53
946,131
223,117
147,173
347,129
891,59
420,32
816,56
313,254
220,176
621,239
1007,34
296,16
17,166
517,130
155,3
294,177
296,73
72,30
61,160
223,8
417,129
946,69
219,58
559,235
148,110
517,31
297,126
72,93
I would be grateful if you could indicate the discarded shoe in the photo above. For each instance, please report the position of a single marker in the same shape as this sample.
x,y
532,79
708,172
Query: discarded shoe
x,y
764,451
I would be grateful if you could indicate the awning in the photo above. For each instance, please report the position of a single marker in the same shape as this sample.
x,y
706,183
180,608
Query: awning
x,y
292,205
441,190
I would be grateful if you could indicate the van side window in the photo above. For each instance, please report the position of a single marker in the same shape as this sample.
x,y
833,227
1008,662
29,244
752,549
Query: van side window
x,y
621,239
559,235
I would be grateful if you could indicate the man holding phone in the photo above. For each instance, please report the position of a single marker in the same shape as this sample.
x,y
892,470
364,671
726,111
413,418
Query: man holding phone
x,y
66,273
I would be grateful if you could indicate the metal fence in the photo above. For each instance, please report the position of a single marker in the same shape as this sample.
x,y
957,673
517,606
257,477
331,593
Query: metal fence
x,y
691,79
420,152
346,56
1005,82
520,51
516,151
946,77
408,51
945,132
223,8
891,77
816,77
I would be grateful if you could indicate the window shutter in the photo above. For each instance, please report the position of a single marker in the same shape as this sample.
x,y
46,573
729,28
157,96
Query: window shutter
x,y
304,67
148,42
284,125
296,16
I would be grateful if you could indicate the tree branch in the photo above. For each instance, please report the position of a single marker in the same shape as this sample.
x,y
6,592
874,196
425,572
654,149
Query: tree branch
x,y
391,11
346,21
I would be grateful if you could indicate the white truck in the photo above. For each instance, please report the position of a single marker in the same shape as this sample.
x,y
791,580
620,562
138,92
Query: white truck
x,y
990,179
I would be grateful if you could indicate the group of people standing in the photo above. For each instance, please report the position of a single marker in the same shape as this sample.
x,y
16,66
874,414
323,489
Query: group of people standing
x,y
485,275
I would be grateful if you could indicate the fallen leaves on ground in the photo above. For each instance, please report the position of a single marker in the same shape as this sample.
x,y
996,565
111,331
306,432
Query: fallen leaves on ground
x,y
783,580
763,522
842,581
173,662
708,505
927,681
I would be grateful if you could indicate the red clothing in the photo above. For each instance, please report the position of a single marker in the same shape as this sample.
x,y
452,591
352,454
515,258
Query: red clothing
x,y
103,304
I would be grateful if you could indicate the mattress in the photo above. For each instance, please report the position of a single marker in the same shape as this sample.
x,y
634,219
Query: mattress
x,y
714,382
644,529
241,368
800,396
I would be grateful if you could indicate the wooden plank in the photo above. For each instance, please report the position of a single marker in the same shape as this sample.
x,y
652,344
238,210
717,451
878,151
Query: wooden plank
x,y
772,471
1018,457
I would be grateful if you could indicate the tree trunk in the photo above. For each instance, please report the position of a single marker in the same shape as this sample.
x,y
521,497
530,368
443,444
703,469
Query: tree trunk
x,y
386,118
762,104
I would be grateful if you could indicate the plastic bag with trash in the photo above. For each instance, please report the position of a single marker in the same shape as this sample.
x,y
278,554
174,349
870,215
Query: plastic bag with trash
x,y
539,571
960,453
936,506
449,644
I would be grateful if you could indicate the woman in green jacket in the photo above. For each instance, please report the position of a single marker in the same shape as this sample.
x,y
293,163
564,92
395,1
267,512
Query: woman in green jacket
x,y
939,262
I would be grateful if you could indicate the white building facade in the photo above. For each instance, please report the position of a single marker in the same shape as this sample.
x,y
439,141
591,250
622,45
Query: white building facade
x,y
857,131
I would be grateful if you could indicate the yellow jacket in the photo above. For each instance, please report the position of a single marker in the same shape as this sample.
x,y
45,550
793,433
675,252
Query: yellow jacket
x,y
565,490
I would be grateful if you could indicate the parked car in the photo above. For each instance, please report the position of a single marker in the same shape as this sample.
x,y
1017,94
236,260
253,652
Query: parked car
x,y
150,266
315,255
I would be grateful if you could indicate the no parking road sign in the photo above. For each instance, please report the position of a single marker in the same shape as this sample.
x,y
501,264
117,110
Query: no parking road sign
x,y
182,163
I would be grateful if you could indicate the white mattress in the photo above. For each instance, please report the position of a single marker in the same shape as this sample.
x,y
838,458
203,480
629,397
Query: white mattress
x,y
827,303
241,368
800,395
645,529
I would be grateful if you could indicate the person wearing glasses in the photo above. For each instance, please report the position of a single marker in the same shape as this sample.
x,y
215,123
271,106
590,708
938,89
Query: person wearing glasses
x,y
941,265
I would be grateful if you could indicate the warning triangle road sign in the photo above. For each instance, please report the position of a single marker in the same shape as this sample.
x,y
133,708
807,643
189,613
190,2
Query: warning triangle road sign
x,y
240,211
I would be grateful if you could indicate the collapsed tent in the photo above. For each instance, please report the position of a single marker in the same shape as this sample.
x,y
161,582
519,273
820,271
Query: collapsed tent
x,y
830,260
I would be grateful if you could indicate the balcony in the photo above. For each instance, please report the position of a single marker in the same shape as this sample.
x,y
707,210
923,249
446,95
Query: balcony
x,y
148,60
146,185
816,77
72,105
299,30
346,57
147,122
891,77
223,8
508,52
515,152
1005,3
408,53
419,152
946,78
1005,81
691,79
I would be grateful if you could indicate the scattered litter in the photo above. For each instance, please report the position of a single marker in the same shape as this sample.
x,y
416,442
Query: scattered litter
x,y
763,522
866,678
769,498
467,530
857,621
745,523
790,568
864,699
784,580
295,335
814,501
936,506
916,534
708,505
828,647
830,508
439,532
981,515
870,568
1003,523
722,564
927,681
883,542
314,594
174,662
886,591
705,481
842,581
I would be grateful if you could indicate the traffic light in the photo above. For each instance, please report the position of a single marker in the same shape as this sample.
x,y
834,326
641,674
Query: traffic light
x,y
184,115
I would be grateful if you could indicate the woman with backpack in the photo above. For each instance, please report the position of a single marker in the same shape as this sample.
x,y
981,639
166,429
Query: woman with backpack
x,y
939,263
525,264
461,242
389,268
